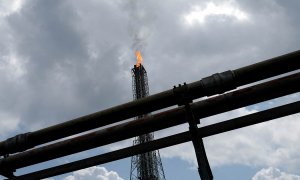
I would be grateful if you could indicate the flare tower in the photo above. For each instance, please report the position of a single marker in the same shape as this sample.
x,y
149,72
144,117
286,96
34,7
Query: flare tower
x,y
146,166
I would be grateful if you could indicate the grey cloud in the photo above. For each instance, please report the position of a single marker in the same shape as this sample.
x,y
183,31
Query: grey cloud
x,y
77,54
62,79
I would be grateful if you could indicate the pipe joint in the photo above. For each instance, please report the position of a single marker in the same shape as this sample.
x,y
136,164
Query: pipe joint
x,y
182,94
16,144
219,83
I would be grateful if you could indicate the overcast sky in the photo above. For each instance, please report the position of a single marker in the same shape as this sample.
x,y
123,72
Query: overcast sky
x,y
61,59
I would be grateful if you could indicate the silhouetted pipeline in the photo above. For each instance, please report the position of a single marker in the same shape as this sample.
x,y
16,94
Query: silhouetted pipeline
x,y
212,106
215,84
172,140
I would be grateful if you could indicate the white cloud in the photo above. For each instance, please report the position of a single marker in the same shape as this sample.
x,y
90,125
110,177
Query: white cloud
x,y
272,173
268,144
9,7
96,172
225,9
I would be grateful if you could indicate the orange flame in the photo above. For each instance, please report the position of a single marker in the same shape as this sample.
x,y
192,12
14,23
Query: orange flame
x,y
139,58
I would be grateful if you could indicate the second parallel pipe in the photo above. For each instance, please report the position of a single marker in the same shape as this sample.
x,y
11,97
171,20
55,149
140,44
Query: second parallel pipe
x,y
219,104
210,130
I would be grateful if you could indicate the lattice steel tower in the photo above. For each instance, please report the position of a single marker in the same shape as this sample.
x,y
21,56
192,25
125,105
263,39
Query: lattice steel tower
x,y
146,166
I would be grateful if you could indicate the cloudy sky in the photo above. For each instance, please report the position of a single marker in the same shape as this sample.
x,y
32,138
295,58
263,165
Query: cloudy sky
x,y
61,59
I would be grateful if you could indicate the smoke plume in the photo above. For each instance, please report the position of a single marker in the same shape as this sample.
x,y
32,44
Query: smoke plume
x,y
140,20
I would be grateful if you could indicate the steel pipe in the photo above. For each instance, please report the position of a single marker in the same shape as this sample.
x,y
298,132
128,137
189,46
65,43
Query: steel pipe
x,y
206,131
215,84
215,105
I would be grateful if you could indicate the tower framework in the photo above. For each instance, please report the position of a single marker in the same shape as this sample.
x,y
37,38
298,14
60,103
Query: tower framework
x,y
147,166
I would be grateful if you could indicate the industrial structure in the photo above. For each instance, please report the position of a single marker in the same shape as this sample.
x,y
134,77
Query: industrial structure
x,y
147,166
225,91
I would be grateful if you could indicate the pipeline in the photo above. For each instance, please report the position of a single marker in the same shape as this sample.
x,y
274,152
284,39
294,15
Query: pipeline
x,y
172,140
215,84
215,105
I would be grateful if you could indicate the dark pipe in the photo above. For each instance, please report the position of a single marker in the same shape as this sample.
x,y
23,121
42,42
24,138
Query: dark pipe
x,y
210,130
215,84
219,104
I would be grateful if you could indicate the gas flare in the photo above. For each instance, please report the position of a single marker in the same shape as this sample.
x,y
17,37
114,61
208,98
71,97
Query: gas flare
x,y
139,58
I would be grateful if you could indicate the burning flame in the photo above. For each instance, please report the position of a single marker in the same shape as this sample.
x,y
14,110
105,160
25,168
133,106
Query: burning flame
x,y
139,58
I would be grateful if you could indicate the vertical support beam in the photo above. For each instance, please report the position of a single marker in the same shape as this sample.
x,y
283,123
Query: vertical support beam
x,y
183,97
203,164
7,172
